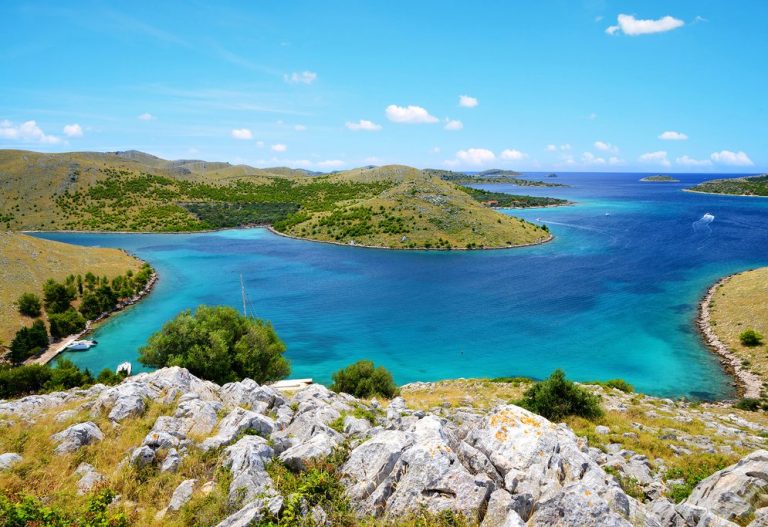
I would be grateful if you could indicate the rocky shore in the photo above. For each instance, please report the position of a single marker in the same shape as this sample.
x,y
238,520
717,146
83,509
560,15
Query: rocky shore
x,y
501,466
748,384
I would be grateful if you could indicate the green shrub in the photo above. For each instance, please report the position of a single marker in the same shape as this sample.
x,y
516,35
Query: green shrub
x,y
751,338
749,404
29,511
557,397
39,378
57,297
619,384
29,342
692,470
29,305
218,344
67,323
363,379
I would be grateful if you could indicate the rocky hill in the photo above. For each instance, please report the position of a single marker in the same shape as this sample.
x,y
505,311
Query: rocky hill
x,y
177,450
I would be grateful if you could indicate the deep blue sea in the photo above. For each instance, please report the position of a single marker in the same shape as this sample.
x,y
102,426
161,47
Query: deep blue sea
x,y
614,295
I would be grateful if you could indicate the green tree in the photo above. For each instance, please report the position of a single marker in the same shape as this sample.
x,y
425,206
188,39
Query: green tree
x,y
29,305
751,338
557,398
29,342
219,344
67,323
57,296
90,307
364,379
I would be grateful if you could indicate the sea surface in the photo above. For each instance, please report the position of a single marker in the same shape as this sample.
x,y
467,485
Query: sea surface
x,y
614,295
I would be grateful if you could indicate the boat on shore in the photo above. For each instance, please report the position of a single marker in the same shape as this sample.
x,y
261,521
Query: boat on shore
x,y
81,345
125,368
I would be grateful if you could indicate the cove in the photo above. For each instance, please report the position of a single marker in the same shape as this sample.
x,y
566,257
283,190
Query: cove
x,y
614,295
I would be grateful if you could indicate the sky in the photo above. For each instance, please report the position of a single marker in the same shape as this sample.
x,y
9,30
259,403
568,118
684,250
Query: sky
x,y
578,85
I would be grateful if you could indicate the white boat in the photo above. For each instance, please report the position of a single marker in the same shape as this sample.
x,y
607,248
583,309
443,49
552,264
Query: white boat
x,y
124,367
81,345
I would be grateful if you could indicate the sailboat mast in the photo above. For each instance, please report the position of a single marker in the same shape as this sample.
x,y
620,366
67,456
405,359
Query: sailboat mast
x,y
242,289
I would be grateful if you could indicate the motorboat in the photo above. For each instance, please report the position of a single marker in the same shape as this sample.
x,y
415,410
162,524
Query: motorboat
x,y
124,368
81,345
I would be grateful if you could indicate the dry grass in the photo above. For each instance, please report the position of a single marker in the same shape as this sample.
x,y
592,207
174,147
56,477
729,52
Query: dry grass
x,y
475,393
740,304
27,262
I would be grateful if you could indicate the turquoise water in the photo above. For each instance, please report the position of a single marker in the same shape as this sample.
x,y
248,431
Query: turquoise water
x,y
614,295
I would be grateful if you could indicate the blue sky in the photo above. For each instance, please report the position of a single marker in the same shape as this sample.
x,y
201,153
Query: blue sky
x,y
652,86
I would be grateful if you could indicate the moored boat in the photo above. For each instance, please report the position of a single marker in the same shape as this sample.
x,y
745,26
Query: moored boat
x,y
124,367
81,345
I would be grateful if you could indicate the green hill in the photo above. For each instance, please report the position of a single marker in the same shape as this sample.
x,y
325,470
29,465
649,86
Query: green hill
x,y
743,186
391,206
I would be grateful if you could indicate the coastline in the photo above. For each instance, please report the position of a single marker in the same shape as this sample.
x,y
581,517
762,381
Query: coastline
x,y
721,193
747,384
57,348
361,246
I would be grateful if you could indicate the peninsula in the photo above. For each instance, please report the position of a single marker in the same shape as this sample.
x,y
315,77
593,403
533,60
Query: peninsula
x,y
740,186
391,206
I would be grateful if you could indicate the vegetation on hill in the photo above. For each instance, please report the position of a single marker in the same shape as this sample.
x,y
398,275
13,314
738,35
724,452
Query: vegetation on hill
x,y
42,378
489,176
557,398
363,379
27,262
219,344
502,199
392,206
659,179
743,186
738,314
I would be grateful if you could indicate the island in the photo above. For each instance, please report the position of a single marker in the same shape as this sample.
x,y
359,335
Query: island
x,y
393,207
739,186
508,177
660,179
733,319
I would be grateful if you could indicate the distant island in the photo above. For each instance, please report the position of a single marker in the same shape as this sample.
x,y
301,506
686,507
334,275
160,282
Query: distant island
x,y
495,175
741,186
660,179
395,206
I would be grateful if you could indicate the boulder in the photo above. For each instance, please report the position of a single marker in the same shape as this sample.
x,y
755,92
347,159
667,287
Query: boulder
x,y
731,493
142,456
89,478
499,507
249,395
76,437
235,423
182,494
253,512
198,416
247,461
171,462
320,445
9,459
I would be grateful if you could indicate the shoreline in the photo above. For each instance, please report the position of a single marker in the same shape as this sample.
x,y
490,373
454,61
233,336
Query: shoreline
x,y
361,246
748,385
721,193
57,348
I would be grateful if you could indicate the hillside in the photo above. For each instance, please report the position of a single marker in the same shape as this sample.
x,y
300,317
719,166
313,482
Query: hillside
x,y
390,206
167,448
743,186
27,262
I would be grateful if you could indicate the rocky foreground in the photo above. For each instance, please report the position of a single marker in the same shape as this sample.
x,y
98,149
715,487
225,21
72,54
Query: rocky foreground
x,y
498,467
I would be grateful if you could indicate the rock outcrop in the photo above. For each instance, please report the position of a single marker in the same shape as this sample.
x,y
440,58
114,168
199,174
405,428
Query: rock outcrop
x,y
502,467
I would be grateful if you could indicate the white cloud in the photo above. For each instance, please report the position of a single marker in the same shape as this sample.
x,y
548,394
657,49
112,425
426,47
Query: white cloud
x,y
475,156
673,136
726,157
303,77
691,162
73,130
606,147
300,128
565,147
279,147
629,25
468,102
145,117
331,163
615,160
591,159
657,158
510,154
409,114
551,148
27,131
453,124
241,133
363,125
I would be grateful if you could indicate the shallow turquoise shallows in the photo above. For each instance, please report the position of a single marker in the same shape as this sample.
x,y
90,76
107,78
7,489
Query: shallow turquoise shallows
x,y
614,295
